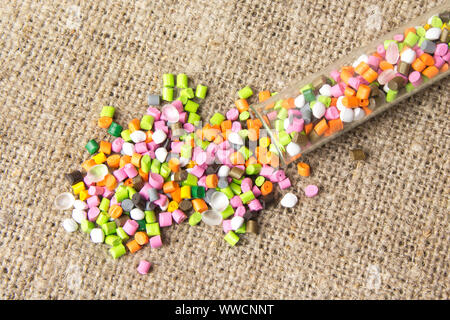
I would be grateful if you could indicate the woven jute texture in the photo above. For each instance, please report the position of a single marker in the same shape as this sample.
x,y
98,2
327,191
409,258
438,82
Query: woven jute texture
x,y
377,230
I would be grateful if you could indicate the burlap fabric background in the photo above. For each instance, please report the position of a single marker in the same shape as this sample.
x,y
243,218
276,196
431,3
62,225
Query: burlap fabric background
x,y
377,230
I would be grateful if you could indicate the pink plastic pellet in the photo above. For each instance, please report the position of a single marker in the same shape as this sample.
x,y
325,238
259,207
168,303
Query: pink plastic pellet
x,y
236,126
178,105
120,174
130,170
183,120
178,216
232,114
256,191
311,191
236,201
335,75
141,147
108,193
154,112
144,267
155,242
155,180
331,113
96,191
162,201
415,78
246,184
336,91
240,211
266,171
87,181
93,213
130,227
165,219
226,224
116,145
189,127
255,205
93,201
144,191
284,184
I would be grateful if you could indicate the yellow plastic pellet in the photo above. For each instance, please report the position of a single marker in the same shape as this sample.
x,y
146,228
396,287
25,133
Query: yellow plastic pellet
x,y
173,205
191,164
84,194
78,187
264,142
185,192
99,158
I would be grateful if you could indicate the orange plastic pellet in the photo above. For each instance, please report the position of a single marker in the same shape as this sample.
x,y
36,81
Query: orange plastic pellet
x,y
361,67
136,159
288,103
370,75
308,128
144,175
384,65
134,125
225,125
346,75
141,238
348,92
363,92
124,160
408,30
199,205
444,68
427,59
335,125
176,195
430,72
263,96
218,139
110,182
211,181
174,165
104,122
241,105
253,134
363,102
274,160
133,246
321,127
105,147
303,169
149,135
170,186
115,211
333,102
128,182
350,102
418,65
237,158
113,161
266,188
88,164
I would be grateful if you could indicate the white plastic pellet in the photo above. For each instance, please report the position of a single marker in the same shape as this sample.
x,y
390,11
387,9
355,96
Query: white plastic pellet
x,y
361,58
137,214
236,222
219,201
358,114
128,149
161,154
347,115
325,90
235,138
159,136
293,149
433,34
79,215
64,201
289,200
299,101
318,109
223,171
138,136
80,205
97,235
339,103
430,19
70,225
97,173
408,56
211,217
170,113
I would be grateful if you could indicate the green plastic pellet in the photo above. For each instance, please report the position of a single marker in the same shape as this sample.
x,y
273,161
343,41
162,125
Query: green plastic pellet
x,y
125,134
235,188
188,93
245,152
279,125
391,95
400,46
409,87
186,151
117,251
191,106
92,146
309,95
191,180
228,192
152,229
104,204
168,80
259,181
246,197
183,99
242,229
200,92
436,22
87,226
194,118
113,240
203,144
141,224
107,111
147,122
102,218
165,171
284,138
420,32
307,87
244,116
229,211
109,228
146,162
238,181
232,238
243,133
115,129
198,192
122,234
167,94
421,39
156,166
217,119
386,43
253,169
245,92
150,216
325,100
121,193
182,81
131,191
282,114
195,218
278,105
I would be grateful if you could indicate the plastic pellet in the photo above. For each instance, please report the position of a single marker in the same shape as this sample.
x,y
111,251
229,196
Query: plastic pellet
x,y
252,226
92,146
97,235
117,251
168,80
232,238
289,200
311,191
153,100
144,265
200,92
167,94
219,201
182,81
357,154
70,225
211,217
64,201
245,93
